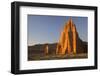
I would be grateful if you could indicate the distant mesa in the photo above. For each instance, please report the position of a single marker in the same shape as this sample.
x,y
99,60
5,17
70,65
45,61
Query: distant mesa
x,y
43,49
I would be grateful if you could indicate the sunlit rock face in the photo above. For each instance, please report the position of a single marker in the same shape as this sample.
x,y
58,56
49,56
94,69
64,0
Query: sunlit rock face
x,y
46,49
69,39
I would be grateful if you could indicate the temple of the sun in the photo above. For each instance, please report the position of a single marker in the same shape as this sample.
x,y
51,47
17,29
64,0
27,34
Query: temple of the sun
x,y
68,39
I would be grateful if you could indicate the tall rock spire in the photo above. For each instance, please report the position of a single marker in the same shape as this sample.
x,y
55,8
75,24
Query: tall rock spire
x,y
68,39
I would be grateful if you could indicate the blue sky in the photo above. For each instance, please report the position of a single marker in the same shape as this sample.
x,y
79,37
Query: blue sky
x,y
46,29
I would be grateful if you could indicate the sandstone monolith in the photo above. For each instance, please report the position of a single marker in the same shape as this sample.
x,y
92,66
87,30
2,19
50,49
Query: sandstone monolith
x,y
69,42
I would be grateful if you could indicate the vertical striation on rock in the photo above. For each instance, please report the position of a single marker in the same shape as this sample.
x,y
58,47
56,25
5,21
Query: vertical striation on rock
x,y
69,40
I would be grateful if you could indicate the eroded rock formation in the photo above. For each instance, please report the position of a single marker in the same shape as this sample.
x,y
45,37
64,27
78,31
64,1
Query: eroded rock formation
x,y
46,49
69,41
